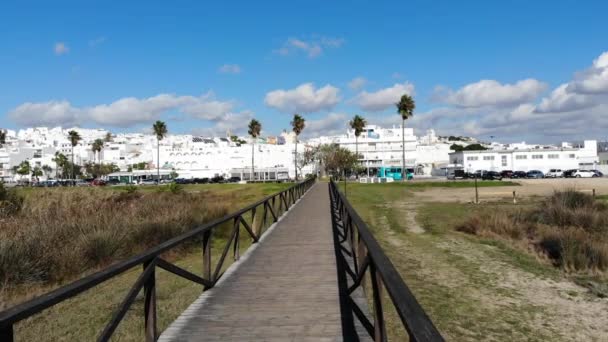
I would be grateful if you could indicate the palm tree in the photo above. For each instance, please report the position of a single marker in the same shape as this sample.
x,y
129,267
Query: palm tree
x,y
405,108
96,147
255,127
24,168
357,123
74,138
108,137
160,130
2,137
297,124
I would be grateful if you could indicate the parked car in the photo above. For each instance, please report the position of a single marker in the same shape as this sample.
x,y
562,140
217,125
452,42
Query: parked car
x,y
535,174
555,173
234,179
491,175
584,174
217,179
200,180
98,182
82,182
478,173
598,173
147,182
519,174
183,181
113,182
456,174
569,173
506,174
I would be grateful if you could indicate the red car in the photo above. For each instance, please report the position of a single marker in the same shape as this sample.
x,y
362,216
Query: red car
x,y
98,182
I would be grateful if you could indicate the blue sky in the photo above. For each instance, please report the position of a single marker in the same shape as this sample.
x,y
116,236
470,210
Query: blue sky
x,y
207,67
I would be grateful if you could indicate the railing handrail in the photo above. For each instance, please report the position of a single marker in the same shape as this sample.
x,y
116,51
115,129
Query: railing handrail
x,y
33,306
415,320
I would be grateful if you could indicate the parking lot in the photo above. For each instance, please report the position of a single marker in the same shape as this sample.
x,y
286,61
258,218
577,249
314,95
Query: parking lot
x,y
527,188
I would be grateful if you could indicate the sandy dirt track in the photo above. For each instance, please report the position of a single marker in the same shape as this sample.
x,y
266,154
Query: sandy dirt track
x,y
527,188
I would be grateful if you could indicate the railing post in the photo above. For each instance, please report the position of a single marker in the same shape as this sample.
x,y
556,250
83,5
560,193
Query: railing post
x,y
150,305
7,333
207,255
236,238
379,326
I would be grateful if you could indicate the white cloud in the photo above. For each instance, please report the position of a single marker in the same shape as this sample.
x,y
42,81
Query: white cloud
x,y
588,89
124,112
312,47
230,69
593,80
97,41
561,100
357,83
61,48
491,93
332,124
304,98
383,98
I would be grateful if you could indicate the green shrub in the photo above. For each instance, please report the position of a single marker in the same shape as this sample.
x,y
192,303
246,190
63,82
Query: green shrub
x,y
10,201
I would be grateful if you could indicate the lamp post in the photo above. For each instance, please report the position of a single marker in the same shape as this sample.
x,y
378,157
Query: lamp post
x,y
476,193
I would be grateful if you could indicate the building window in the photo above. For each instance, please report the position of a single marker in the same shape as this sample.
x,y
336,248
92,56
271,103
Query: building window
x,y
503,160
488,157
571,156
472,158
521,157
553,156
537,156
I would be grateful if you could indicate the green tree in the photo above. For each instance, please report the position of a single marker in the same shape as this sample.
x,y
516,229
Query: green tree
x,y
24,168
160,130
405,108
108,137
474,147
60,162
96,147
357,124
173,174
255,127
297,124
37,172
47,170
74,138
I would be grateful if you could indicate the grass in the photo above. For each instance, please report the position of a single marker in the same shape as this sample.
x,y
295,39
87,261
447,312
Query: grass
x,y
461,280
82,245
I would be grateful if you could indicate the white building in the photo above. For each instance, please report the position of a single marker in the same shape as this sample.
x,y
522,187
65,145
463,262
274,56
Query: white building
x,y
543,158
379,146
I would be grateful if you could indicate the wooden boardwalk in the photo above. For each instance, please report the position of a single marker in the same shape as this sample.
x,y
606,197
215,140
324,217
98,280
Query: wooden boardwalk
x,y
286,289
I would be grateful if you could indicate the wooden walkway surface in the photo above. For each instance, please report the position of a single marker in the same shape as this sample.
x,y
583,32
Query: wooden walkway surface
x,y
284,290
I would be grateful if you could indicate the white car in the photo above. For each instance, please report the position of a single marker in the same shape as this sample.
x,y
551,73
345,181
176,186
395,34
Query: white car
x,y
554,173
584,174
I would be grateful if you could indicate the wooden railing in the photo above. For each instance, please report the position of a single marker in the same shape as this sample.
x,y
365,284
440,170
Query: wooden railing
x,y
363,260
272,207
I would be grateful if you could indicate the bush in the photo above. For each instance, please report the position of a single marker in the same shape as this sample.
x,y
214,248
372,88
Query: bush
x,y
570,228
10,201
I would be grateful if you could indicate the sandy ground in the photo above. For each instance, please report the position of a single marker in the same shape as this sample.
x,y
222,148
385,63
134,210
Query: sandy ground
x,y
527,188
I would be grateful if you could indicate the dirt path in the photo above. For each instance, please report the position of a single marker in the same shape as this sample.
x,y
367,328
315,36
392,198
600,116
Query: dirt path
x,y
475,293
528,187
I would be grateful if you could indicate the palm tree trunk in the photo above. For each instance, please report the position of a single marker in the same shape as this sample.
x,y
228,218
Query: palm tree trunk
x,y
402,150
157,161
73,174
252,160
295,158
357,154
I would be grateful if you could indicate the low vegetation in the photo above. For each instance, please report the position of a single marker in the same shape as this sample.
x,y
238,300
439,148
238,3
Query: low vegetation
x,y
51,236
484,286
569,228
